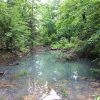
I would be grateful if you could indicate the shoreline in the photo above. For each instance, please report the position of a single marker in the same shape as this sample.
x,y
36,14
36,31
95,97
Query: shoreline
x,y
7,57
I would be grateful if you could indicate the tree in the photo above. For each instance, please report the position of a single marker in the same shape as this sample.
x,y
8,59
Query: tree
x,y
15,25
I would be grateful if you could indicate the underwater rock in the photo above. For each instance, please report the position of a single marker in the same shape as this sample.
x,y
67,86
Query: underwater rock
x,y
80,97
95,84
83,78
14,64
98,90
1,73
78,86
91,80
6,84
29,97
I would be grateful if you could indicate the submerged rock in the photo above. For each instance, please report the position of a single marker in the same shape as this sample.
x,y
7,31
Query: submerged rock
x,y
80,97
1,73
91,80
6,84
95,84
83,78
98,90
29,97
13,64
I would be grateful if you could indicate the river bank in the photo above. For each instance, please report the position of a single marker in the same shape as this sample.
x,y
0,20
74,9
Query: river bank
x,y
8,57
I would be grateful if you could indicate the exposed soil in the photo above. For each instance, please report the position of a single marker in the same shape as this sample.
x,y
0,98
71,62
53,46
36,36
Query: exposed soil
x,y
7,57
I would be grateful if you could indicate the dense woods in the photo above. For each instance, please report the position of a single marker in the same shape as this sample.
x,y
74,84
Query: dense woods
x,y
72,24
67,24
17,24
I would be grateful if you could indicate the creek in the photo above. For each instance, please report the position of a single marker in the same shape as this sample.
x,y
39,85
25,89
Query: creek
x,y
39,73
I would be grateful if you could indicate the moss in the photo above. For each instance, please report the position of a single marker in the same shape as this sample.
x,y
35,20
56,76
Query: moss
x,y
22,73
97,97
64,92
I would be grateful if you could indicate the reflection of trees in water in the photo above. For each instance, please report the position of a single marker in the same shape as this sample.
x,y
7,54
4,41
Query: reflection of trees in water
x,y
54,70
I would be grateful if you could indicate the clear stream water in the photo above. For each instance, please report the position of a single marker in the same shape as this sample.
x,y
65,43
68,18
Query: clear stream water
x,y
40,72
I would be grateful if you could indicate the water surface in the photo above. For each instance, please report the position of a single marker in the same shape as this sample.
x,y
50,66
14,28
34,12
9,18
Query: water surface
x,y
40,71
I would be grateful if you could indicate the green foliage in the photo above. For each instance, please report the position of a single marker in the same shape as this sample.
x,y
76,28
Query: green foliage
x,y
90,46
16,31
22,73
94,41
98,98
73,24
64,44
47,28
64,92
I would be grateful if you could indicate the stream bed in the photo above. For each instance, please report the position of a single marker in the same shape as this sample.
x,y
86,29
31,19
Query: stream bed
x,y
39,73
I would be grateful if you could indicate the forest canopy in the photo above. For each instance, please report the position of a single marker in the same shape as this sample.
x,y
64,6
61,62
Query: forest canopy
x,y
59,24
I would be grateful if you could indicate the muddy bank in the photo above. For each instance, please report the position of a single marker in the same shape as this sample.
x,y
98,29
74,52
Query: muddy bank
x,y
40,48
7,57
72,55
10,58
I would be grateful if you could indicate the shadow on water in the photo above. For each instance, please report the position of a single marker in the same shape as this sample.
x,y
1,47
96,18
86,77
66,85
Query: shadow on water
x,y
44,77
